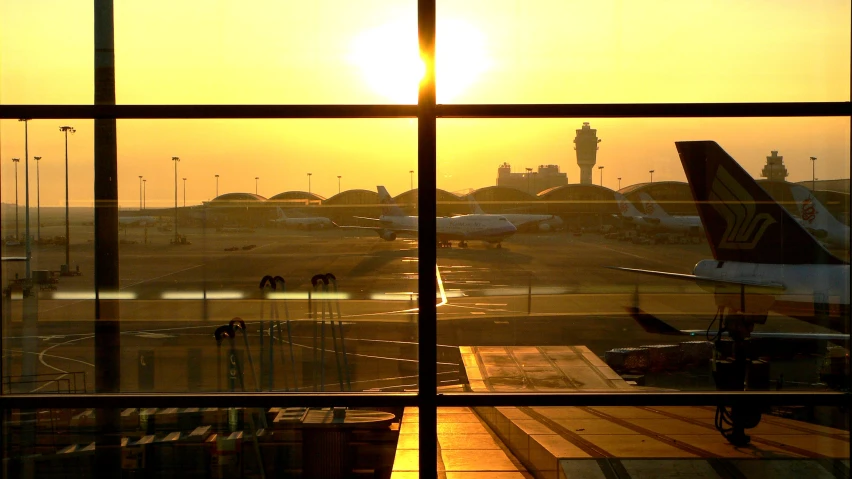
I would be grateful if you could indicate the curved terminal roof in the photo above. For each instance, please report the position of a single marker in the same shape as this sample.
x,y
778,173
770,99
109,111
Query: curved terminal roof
x,y
297,196
238,197
657,186
501,193
575,191
353,197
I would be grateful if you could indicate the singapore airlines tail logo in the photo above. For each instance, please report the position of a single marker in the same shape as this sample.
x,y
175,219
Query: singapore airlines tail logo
x,y
744,227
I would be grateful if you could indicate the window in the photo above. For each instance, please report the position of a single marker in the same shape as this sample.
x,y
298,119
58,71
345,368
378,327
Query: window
x,y
224,182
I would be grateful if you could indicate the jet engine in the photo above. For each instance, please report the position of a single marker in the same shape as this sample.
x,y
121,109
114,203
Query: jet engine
x,y
387,235
544,226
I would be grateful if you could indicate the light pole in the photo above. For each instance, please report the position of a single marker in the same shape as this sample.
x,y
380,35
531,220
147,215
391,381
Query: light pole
x,y
66,129
410,179
600,168
652,175
176,160
338,184
256,178
184,192
619,183
140,193
27,196
309,184
38,199
217,186
17,233
813,173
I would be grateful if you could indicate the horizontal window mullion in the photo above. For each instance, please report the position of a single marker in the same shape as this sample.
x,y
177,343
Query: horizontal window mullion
x,y
204,400
190,112
646,110
621,110
697,398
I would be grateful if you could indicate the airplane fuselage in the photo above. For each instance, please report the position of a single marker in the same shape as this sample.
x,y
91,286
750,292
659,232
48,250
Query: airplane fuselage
x,y
492,229
690,225
812,292
306,223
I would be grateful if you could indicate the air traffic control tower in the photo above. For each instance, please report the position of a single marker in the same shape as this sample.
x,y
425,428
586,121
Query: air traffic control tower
x,y
586,146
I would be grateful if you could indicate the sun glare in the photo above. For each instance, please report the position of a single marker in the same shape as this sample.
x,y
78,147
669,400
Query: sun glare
x,y
389,60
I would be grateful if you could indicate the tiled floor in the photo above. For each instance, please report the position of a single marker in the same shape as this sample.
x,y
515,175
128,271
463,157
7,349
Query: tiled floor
x,y
467,448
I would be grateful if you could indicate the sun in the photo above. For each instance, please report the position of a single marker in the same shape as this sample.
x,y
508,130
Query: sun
x,y
389,60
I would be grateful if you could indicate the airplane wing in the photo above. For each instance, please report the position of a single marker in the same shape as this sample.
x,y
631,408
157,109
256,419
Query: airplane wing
x,y
365,218
655,325
754,286
379,229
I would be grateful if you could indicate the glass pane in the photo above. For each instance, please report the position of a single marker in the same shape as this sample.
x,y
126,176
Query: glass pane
x,y
533,299
203,442
511,51
660,441
652,441
198,233
216,53
41,336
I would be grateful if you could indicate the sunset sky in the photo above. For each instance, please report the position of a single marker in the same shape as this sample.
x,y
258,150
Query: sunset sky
x,y
496,51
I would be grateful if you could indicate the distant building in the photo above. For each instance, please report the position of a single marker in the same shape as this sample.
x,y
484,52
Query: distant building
x,y
774,169
586,145
530,181
841,185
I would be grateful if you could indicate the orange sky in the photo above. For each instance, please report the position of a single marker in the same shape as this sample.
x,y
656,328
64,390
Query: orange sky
x,y
344,52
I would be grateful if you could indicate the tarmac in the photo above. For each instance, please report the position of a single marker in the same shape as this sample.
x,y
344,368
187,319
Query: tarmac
x,y
538,289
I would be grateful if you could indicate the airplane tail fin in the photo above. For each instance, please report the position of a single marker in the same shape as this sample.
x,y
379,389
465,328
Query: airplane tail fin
x,y
652,324
389,208
474,206
281,215
741,221
625,206
651,207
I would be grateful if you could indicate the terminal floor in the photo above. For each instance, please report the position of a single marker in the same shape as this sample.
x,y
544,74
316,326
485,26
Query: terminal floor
x,y
622,442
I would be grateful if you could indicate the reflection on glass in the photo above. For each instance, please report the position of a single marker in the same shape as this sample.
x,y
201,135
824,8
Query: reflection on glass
x,y
655,441
206,442
238,272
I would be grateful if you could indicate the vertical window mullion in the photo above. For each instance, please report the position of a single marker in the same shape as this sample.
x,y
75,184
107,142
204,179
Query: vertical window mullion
x,y
426,207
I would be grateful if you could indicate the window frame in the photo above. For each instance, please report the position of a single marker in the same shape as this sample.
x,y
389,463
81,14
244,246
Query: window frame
x,y
428,398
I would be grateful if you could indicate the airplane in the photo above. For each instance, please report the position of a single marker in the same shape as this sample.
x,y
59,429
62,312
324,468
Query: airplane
x,y
523,221
137,220
463,228
630,215
818,220
763,259
654,214
307,223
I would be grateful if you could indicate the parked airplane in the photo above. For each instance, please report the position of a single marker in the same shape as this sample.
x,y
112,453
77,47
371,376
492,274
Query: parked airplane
x,y
137,220
818,220
630,216
655,214
523,221
306,223
464,228
763,259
